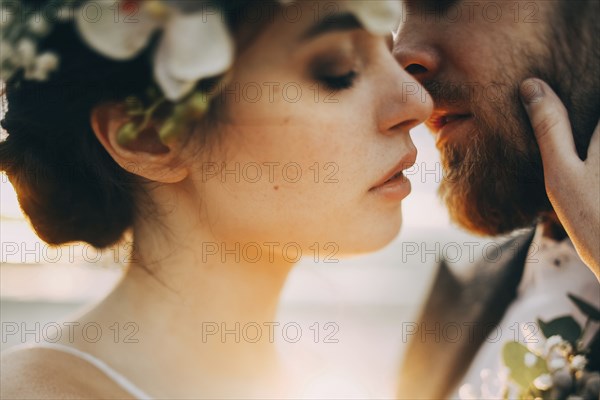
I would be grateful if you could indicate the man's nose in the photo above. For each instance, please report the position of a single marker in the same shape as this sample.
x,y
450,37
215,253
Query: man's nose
x,y
422,62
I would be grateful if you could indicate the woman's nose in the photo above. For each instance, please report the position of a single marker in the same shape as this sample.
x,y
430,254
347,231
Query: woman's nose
x,y
405,104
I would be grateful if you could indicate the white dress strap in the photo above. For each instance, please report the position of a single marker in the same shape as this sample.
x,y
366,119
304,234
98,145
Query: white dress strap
x,y
117,377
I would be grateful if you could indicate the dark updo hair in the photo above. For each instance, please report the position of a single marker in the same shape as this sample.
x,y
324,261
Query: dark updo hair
x,y
66,182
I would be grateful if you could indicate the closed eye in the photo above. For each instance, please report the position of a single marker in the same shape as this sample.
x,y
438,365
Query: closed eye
x,y
339,82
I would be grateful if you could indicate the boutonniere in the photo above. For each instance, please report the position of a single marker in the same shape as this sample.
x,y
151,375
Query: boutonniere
x,y
565,364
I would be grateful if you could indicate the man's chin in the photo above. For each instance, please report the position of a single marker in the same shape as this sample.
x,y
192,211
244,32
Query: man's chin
x,y
478,222
485,212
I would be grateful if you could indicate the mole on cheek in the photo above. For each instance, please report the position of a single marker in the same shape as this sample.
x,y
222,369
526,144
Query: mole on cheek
x,y
276,187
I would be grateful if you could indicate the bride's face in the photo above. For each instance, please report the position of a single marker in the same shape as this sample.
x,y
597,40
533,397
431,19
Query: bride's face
x,y
315,118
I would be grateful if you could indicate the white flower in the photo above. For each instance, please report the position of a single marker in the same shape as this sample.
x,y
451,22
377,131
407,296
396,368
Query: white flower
x,y
543,382
193,46
25,56
578,362
38,25
530,359
26,51
42,66
195,42
556,363
380,17
552,342
116,38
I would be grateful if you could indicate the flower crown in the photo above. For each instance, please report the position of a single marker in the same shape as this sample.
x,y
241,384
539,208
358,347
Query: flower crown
x,y
122,29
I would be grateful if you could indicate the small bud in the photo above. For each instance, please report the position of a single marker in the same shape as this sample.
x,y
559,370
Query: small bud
x,y
197,105
578,362
44,64
530,359
26,49
38,25
565,347
552,342
556,363
543,382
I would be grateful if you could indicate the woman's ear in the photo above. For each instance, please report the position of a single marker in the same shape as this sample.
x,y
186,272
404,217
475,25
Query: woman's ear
x,y
147,155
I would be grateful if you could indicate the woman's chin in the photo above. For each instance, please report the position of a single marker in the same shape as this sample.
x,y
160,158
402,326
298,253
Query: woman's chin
x,y
373,239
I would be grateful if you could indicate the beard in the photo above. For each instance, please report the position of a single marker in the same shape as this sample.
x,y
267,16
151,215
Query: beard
x,y
493,178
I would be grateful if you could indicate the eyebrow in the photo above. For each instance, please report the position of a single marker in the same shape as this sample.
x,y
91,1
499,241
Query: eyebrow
x,y
337,22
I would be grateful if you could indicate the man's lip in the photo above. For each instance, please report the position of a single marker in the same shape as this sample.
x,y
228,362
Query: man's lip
x,y
439,120
405,163
447,125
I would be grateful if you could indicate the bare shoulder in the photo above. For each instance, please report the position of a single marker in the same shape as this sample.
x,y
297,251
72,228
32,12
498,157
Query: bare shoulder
x,y
44,373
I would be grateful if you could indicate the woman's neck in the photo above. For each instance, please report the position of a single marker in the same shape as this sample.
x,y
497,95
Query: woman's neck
x,y
196,319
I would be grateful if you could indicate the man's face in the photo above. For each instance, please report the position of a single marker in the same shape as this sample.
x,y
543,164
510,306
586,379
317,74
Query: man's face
x,y
472,56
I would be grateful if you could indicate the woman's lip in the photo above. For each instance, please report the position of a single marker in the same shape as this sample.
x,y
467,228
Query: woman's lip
x,y
395,189
406,162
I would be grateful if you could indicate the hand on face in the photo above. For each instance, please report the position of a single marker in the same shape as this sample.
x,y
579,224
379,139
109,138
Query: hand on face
x,y
573,185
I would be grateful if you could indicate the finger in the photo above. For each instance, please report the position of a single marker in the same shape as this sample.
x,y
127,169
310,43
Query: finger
x,y
550,123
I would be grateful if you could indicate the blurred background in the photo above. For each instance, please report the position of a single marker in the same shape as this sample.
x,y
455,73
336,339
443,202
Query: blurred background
x,y
367,300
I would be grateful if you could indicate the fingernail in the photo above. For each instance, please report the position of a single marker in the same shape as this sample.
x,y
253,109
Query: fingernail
x,y
532,91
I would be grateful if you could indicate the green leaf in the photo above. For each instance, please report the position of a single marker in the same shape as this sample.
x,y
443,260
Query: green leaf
x,y
127,133
513,355
566,327
586,308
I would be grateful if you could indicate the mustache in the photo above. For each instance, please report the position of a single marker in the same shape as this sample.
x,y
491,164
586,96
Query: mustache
x,y
446,93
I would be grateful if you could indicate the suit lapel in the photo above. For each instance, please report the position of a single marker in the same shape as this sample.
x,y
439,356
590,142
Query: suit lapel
x,y
457,318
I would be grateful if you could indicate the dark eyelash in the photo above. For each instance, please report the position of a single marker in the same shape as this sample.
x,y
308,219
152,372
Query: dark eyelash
x,y
339,82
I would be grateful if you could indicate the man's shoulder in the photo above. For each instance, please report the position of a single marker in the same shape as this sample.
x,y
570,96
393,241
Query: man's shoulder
x,y
46,373
500,259
471,301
